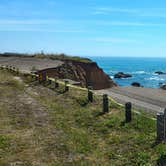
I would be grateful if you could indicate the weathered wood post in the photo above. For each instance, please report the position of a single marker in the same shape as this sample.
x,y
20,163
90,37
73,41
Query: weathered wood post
x,y
17,71
7,67
33,76
90,94
56,84
10,68
49,81
2,67
42,77
165,125
36,77
14,69
66,86
105,104
161,126
128,107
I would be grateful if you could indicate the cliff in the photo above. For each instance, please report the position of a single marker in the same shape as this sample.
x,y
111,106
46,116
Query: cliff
x,y
61,66
88,74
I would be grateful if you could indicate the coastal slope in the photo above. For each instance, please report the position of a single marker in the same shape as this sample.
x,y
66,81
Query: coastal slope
x,y
43,125
84,71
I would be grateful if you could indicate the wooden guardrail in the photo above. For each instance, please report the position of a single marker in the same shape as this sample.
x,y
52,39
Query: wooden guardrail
x,y
161,118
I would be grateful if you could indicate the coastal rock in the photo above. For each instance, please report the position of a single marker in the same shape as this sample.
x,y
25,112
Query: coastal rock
x,y
136,84
122,75
162,86
159,72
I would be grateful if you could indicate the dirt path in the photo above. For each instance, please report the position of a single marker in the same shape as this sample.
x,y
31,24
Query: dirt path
x,y
26,126
26,64
153,100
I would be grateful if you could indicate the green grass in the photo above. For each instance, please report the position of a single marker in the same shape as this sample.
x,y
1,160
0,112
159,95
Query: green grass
x,y
67,130
62,57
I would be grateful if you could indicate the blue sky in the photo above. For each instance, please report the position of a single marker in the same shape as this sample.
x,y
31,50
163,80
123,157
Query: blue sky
x,y
84,27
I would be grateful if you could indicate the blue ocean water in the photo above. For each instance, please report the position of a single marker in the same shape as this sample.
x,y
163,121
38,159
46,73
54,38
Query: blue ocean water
x,y
142,69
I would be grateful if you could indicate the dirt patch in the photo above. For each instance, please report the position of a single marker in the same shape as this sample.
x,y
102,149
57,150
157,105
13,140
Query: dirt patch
x,y
28,124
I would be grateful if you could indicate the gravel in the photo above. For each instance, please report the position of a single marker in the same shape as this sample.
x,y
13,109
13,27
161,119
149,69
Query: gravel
x,y
27,64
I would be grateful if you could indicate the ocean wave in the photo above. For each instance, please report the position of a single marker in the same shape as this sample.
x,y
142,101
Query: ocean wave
x,y
132,72
112,77
155,78
113,71
139,72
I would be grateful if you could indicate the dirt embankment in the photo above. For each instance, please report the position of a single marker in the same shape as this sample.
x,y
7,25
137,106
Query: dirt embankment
x,y
88,74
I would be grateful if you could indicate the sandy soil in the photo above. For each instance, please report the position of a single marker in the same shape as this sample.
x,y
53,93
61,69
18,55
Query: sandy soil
x,y
29,63
153,100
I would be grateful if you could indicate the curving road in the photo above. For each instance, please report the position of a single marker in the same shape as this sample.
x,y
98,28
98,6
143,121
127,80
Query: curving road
x,y
148,99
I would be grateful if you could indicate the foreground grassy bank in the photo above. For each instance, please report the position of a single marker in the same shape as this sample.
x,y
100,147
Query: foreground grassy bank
x,y
40,126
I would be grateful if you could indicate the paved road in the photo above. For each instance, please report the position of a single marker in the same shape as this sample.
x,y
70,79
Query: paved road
x,y
152,100
26,64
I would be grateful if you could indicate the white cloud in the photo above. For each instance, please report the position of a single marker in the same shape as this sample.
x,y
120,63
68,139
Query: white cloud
x,y
109,10
112,40
27,22
123,23
41,30
143,12
157,15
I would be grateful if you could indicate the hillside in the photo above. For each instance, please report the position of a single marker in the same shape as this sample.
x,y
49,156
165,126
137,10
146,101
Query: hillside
x,y
81,70
41,125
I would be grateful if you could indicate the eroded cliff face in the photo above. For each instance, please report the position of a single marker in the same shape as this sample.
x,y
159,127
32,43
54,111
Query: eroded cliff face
x,y
88,74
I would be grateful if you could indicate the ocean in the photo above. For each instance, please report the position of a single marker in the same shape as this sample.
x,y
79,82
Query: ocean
x,y
142,69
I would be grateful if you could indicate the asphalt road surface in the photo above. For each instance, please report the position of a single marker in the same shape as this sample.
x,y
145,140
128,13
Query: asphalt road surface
x,y
148,99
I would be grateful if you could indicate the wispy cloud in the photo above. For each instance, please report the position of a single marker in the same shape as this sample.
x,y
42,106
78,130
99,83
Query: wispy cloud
x,y
154,15
41,30
123,23
27,22
112,40
142,12
73,23
109,10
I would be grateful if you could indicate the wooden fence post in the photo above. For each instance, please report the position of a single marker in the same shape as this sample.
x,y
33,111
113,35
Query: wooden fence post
x,y
105,104
42,77
161,126
128,114
90,94
66,86
164,124
56,84
49,81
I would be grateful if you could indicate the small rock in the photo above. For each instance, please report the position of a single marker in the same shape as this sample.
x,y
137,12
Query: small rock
x,y
136,84
159,72
122,75
163,86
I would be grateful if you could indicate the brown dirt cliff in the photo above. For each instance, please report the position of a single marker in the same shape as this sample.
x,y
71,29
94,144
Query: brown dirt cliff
x,y
87,73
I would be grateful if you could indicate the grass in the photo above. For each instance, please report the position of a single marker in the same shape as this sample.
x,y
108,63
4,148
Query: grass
x,y
53,128
62,57
56,56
